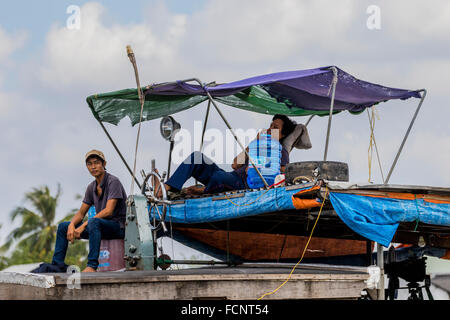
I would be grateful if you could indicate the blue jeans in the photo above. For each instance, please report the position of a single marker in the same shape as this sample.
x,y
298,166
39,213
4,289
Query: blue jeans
x,y
96,230
198,166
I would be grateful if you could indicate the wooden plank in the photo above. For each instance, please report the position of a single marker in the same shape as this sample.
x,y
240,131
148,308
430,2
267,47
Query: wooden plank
x,y
253,246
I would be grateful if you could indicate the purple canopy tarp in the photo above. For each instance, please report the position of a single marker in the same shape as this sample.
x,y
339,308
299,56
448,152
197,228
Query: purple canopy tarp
x,y
305,89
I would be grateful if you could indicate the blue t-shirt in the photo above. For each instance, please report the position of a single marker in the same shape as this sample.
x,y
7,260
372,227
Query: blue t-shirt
x,y
242,170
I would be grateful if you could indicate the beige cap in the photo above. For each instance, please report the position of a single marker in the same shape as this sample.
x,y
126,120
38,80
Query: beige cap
x,y
95,153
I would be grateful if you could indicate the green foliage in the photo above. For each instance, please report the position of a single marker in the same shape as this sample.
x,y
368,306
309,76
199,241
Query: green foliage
x,y
3,260
34,240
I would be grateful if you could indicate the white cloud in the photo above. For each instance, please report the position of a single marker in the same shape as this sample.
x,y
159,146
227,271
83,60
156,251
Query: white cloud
x,y
257,31
10,43
431,74
63,154
173,46
432,151
266,36
95,55
5,104
418,21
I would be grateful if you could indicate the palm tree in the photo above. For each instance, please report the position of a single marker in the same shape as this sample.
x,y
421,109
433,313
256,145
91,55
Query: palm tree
x,y
36,236
3,260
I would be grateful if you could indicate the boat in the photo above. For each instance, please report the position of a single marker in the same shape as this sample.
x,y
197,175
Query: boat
x,y
316,215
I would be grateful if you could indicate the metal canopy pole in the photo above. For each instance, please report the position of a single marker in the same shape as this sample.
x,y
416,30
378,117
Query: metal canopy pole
x,y
236,138
204,125
424,93
229,127
120,154
204,128
380,264
170,159
334,82
309,119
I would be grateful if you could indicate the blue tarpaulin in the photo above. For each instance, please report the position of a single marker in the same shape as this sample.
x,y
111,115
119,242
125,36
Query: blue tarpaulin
x,y
377,218
209,209
373,217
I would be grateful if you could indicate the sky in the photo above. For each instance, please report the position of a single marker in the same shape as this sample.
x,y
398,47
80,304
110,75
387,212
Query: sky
x,y
48,68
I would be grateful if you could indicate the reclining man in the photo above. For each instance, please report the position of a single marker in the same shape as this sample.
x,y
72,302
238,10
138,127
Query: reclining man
x,y
198,166
108,196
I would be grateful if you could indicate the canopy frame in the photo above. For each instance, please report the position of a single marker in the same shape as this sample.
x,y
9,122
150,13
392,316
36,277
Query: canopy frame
x,y
119,153
333,83
424,93
229,127
210,98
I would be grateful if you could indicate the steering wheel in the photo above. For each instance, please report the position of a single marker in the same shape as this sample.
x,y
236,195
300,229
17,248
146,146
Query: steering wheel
x,y
154,201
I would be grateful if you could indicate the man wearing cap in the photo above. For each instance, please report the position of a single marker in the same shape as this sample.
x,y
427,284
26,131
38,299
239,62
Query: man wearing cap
x,y
108,196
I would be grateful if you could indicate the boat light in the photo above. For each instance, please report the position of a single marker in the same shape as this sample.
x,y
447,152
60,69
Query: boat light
x,y
169,127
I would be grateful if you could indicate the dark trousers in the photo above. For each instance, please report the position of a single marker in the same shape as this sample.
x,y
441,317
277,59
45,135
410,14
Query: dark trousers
x,y
215,179
96,230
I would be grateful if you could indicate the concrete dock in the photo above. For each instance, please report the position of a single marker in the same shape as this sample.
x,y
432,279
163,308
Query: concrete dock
x,y
246,282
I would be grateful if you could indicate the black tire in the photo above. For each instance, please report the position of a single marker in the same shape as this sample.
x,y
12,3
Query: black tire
x,y
315,170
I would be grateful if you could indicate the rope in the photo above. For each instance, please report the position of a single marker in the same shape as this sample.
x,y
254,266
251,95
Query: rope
x,y
303,254
370,149
374,143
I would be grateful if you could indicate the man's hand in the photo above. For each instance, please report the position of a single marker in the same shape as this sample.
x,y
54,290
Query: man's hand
x,y
263,131
70,232
77,232
78,217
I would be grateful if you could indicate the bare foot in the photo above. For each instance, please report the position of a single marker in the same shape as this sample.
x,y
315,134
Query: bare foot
x,y
89,269
194,190
159,194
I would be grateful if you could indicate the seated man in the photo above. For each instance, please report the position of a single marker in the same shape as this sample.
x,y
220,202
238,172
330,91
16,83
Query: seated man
x,y
108,196
215,179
